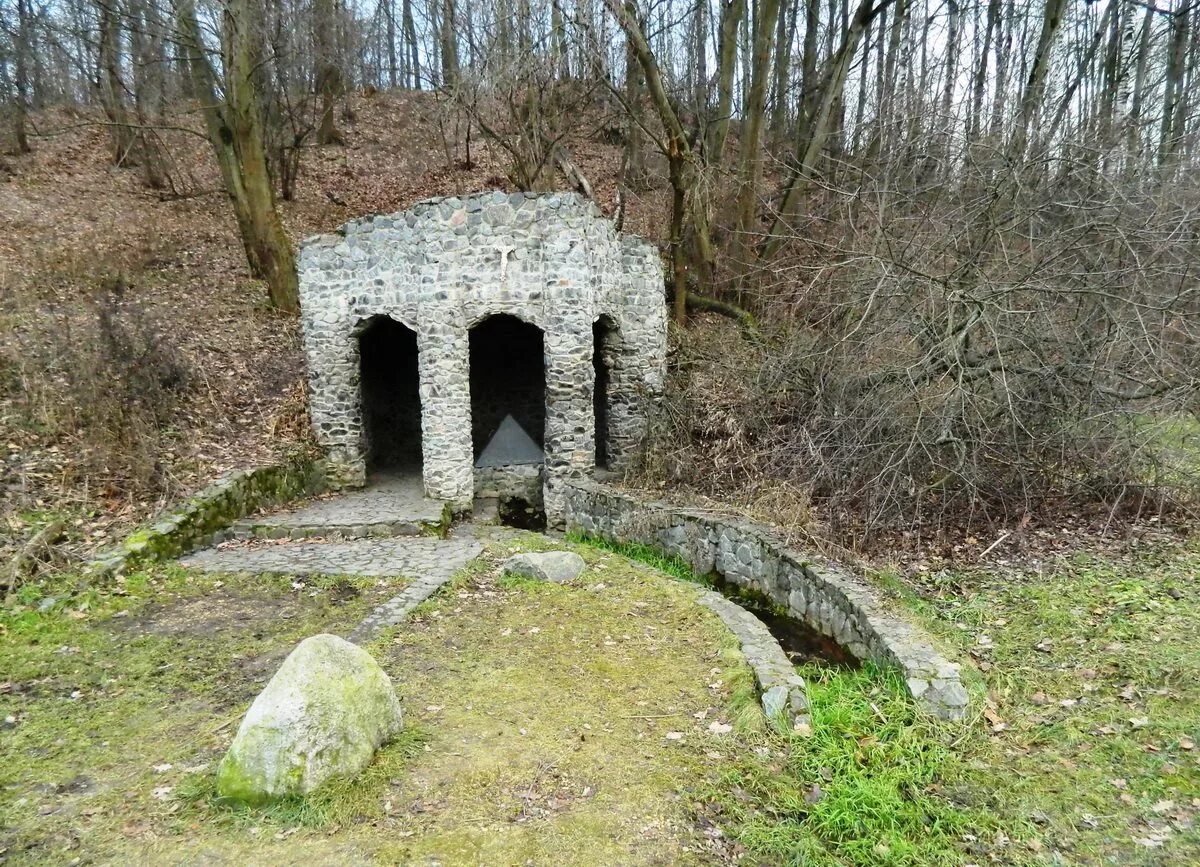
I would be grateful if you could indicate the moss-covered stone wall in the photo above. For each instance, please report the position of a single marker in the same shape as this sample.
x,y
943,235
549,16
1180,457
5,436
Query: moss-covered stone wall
x,y
827,596
193,522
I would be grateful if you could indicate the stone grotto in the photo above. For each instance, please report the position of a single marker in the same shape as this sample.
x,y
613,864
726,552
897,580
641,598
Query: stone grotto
x,y
497,344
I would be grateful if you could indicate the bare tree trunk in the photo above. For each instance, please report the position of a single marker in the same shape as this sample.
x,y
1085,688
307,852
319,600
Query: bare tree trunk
x,y
681,160
393,72
1174,99
1068,96
821,124
699,58
328,74
109,84
1112,75
975,118
449,43
1133,141
410,39
808,65
945,112
750,163
860,109
731,14
784,37
1003,50
21,51
635,169
1185,111
558,42
889,93
235,130
147,46
679,264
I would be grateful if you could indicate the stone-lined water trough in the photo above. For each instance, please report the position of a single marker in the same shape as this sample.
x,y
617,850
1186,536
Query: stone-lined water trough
x,y
827,597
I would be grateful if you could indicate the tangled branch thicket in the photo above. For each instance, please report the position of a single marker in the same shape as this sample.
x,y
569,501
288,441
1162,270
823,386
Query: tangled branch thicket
x,y
938,358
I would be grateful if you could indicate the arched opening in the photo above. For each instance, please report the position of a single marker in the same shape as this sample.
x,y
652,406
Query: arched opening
x,y
391,395
508,378
508,419
604,332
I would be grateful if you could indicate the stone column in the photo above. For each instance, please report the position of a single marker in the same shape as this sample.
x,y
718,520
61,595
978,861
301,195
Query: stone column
x,y
444,363
639,366
334,403
570,377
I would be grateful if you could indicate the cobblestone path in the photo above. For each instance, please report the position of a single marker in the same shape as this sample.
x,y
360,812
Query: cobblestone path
x,y
381,531
412,557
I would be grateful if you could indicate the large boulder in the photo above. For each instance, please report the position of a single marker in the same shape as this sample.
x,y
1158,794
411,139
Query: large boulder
x,y
560,567
324,714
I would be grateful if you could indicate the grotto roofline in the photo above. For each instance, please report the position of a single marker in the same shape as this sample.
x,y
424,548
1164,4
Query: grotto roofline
x,y
439,211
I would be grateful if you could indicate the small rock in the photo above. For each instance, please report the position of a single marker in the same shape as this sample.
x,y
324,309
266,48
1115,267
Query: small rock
x,y
774,700
560,567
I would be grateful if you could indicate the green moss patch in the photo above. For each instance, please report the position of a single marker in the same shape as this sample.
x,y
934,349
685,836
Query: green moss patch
x,y
612,721
544,723
568,724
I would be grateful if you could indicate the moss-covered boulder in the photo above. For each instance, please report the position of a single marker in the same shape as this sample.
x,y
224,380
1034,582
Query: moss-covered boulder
x,y
324,714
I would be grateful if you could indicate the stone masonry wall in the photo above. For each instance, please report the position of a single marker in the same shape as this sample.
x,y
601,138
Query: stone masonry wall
x,y
446,265
827,597
197,520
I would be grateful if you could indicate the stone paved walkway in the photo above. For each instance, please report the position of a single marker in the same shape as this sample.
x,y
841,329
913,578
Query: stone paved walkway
x,y
390,505
425,562
414,557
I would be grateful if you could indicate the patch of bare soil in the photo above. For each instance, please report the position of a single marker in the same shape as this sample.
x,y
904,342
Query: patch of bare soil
x,y
211,615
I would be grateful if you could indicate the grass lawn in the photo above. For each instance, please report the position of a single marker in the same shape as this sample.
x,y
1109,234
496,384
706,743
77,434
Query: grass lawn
x,y
1082,749
1091,666
544,724
612,722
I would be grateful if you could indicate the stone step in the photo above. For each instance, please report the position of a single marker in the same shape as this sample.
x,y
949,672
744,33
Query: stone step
x,y
269,529
486,510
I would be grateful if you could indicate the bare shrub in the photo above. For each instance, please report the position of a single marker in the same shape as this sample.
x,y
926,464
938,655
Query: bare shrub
x,y
102,381
934,359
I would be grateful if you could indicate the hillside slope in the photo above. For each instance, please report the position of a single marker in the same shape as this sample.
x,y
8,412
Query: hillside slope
x,y
137,357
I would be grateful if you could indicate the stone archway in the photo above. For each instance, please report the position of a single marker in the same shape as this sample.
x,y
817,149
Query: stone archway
x,y
389,383
508,417
454,270
508,378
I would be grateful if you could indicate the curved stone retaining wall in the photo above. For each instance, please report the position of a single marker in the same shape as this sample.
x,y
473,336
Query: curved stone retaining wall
x,y
827,597
195,521
782,691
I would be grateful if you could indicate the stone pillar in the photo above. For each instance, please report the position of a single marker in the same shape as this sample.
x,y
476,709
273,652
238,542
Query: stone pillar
x,y
570,377
334,399
445,365
639,366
